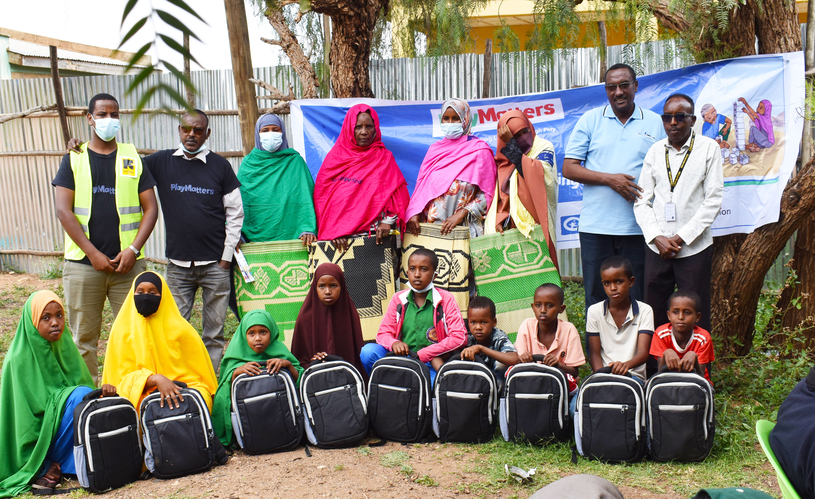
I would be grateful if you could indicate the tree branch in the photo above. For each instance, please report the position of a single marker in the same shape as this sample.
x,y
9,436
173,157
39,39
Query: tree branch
x,y
276,94
271,42
294,51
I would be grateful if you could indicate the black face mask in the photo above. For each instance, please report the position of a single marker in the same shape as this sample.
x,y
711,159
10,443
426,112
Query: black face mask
x,y
525,142
147,305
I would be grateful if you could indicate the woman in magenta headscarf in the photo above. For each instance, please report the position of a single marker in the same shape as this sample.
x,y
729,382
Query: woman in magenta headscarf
x,y
456,181
359,188
761,131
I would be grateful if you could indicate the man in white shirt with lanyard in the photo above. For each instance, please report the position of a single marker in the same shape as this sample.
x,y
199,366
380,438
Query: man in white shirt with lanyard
x,y
682,188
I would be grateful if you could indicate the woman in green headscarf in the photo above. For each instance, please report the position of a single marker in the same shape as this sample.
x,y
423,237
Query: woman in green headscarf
x,y
44,379
255,346
276,188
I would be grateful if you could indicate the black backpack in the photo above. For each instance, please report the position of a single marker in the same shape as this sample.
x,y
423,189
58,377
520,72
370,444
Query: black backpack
x,y
681,419
179,441
107,450
465,402
399,402
535,404
610,418
266,412
335,408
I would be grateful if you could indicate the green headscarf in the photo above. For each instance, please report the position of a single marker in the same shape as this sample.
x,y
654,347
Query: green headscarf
x,y
278,196
38,378
237,354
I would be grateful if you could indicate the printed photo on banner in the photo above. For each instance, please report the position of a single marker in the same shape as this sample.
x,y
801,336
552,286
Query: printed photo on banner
x,y
751,106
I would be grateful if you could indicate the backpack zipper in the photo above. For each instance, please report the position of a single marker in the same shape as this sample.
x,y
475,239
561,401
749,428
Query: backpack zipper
x,y
564,409
112,433
421,381
86,443
639,396
491,382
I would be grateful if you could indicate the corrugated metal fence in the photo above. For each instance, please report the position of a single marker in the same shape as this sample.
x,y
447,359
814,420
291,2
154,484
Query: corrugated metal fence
x,y
27,214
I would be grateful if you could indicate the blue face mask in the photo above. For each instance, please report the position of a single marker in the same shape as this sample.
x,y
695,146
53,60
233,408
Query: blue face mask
x,y
271,141
203,146
106,128
452,130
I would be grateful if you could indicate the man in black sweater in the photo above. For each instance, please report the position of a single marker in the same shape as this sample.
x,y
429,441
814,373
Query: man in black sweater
x,y
203,214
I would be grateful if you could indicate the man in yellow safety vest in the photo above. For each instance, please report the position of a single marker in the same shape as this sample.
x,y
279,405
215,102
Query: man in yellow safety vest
x,y
106,204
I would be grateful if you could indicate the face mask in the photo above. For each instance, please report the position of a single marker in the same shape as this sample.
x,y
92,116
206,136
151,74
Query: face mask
x,y
425,290
525,142
106,128
147,305
271,141
452,130
203,146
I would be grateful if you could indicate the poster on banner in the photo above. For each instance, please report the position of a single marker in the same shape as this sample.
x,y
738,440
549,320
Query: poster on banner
x,y
751,105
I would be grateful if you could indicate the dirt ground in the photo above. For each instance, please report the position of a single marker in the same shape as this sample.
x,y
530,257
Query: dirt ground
x,y
391,471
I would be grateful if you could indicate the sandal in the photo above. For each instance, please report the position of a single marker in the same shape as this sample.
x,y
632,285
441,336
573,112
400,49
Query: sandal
x,y
51,478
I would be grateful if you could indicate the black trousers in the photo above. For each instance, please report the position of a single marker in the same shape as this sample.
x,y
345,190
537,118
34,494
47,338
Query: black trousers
x,y
691,273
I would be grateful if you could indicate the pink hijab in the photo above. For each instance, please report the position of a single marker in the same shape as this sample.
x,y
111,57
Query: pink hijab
x,y
467,158
356,184
764,122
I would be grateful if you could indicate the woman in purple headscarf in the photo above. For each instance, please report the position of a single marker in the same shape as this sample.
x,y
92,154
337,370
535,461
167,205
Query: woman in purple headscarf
x,y
761,131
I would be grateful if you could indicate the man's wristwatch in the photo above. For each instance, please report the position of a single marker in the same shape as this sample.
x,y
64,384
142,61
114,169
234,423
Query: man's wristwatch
x,y
136,251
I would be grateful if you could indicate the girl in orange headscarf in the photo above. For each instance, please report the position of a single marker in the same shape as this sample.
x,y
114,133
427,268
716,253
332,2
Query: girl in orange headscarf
x,y
527,180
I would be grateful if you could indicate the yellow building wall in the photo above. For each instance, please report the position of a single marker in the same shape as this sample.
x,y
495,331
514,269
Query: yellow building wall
x,y
616,35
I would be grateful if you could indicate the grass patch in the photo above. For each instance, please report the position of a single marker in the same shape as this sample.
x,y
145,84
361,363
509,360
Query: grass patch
x,y
339,467
426,481
394,459
365,451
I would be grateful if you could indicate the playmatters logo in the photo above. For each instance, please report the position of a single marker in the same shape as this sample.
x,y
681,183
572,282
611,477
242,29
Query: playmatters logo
x,y
486,117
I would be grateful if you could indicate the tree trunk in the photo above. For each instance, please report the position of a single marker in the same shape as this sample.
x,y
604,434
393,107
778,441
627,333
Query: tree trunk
x,y
740,261
288,42
351,26
803,263
804,266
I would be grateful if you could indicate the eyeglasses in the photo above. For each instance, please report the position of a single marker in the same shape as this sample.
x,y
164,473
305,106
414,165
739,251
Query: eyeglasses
x,y
679,117
610,87
188,129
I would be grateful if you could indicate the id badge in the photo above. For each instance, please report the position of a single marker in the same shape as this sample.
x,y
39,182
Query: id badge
x,y
670,212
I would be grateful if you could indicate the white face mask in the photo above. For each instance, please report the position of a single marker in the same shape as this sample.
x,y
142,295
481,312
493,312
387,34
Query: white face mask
x,y
203,146
452,130
271,141
106,128
425,290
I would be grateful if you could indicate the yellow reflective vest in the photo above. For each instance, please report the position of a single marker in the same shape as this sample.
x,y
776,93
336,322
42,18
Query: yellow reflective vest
x,y
128,171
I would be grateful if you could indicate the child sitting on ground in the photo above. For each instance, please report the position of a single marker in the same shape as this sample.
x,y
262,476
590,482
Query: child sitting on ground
x,y
414,314
554,338
254,347
328,322
486,339
681,344
619,329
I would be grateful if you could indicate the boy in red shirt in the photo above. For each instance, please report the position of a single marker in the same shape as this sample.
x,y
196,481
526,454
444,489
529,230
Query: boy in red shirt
x,y
681,344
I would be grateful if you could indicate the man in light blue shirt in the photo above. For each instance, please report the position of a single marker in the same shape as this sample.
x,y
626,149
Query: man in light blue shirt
x,y
611,142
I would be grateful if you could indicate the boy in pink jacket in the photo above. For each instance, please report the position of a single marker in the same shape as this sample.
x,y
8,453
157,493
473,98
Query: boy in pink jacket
x,y
416,312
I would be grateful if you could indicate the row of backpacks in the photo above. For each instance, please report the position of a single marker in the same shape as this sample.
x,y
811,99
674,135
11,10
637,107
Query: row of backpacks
x,y
616,420
174,442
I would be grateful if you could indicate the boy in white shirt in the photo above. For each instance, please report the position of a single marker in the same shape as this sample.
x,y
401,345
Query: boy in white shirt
x,y
619,329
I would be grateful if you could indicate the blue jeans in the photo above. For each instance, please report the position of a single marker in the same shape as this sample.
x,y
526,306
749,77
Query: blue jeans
x,y
62,446
371,352
595,248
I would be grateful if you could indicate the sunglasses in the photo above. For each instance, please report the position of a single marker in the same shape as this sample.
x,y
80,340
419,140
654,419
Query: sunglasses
x,y
610,87
679,117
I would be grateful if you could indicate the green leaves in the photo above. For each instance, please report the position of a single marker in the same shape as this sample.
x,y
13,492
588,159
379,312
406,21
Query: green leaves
x,y
169,97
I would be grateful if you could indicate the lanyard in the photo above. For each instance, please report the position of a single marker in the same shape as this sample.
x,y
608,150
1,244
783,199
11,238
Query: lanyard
x,y
674,180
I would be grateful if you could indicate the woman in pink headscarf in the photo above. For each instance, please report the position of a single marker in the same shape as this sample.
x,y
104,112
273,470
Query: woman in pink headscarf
x,y
359,188
761,131
456,181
